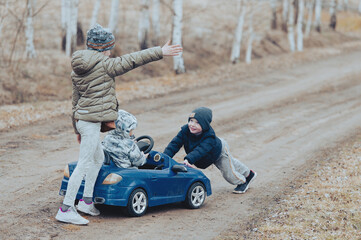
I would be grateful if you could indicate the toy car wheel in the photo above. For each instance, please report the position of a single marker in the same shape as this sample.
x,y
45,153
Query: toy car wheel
x,y
137,203
196,195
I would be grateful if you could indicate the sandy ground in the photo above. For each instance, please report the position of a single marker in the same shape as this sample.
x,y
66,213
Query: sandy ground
x,y
278,123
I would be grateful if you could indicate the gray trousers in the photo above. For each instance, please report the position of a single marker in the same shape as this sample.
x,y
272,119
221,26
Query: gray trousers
x,y
91,158
233,170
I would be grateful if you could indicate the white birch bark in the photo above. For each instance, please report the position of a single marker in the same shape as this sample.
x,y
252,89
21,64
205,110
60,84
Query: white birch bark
x,y
236,48
310,5
273,4
3,14
72,12
318,9
333,14
290,23
64,14
359,7
113,18
301,5
250,34
95,13
155,22
284,15
29,31
144,25
178,61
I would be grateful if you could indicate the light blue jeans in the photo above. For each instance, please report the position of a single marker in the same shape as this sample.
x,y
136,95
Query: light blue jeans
x,y
91,158
233,170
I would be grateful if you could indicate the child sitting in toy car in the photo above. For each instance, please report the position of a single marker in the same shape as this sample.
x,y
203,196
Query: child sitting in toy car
x,y
119,144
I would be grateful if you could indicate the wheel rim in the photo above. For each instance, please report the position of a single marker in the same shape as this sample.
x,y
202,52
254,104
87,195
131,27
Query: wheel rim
x,y
139,202
197,196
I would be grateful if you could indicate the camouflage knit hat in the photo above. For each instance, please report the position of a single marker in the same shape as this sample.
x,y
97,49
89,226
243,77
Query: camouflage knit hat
x,y
99,39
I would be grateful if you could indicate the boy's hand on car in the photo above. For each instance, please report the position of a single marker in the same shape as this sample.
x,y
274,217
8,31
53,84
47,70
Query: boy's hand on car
x,y
185,162
171,50
78,137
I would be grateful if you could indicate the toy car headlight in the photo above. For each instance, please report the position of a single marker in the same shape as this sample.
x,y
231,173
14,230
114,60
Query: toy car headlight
x,y
112,179
66,171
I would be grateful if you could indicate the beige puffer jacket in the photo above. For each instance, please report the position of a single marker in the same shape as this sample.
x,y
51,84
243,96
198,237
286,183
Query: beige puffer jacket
x,y
94,98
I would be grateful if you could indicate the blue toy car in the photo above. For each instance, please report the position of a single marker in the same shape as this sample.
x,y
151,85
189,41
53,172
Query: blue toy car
x,y
160,181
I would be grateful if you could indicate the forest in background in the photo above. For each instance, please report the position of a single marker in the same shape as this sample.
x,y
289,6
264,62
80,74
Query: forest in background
x,y
208,36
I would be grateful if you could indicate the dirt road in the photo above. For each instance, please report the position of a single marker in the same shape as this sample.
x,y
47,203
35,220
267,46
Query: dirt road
x,y
277,123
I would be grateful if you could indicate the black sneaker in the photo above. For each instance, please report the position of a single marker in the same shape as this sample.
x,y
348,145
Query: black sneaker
x,y
242,188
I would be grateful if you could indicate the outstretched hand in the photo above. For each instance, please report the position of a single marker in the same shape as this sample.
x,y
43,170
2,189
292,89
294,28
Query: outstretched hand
x,y
171,50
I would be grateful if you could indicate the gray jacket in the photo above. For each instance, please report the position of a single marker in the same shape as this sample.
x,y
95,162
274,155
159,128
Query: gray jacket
x,y
120,146
94,98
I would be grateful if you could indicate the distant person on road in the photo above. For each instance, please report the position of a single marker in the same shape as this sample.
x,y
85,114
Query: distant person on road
x,y
95,108
119,145
204,148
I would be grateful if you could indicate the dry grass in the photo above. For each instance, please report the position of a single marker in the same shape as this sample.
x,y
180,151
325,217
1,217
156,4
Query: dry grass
x,y
207,39
326,206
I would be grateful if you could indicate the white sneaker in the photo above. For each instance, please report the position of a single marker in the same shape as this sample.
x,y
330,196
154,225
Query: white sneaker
x,y
87,208
71,216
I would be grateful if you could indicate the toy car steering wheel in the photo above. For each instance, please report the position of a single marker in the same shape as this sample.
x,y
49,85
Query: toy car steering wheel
x,y
145,146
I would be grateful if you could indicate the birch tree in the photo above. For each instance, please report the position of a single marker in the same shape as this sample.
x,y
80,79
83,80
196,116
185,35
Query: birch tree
x,y
3,14
301,5
359,7
113,18
155,22
64,14
333,14
29,30
273,4
284,15
94,18
236,48
318,9
250,34
143,28
178,61
71,25
290,23
310,7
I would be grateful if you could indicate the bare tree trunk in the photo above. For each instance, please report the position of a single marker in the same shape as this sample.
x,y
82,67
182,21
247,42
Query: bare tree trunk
x,y
155,22
113,18
359,7
94,18
310,5
29,31
3,15
301,5
71,30
64,14
274,14
290,23
143,25
178,61
318,9
333,19
284,15
250,35
236,48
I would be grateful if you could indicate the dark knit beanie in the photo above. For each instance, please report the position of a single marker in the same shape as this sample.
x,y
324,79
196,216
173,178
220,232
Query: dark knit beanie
x,y
203,115
99,39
